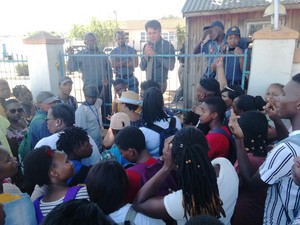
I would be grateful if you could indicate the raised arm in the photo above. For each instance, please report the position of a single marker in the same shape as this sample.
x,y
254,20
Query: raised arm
x,y
251,177
146,202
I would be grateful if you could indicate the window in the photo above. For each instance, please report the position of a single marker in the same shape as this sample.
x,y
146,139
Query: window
x,y
172,36
252,27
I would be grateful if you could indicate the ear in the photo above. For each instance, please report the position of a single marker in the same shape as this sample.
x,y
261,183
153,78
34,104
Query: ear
x,y
58,122
215,115
132,151
53,173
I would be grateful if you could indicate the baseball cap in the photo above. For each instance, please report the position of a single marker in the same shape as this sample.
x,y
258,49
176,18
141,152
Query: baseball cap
x,y
215,24
233,30
129,97
119,120
46,97
65,79
90,91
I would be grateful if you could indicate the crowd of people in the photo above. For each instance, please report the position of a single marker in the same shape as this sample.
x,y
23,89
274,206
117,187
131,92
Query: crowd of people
x,y
232,160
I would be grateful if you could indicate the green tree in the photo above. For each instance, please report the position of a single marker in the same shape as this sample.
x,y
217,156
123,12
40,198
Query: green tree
x,y
180,33
104,31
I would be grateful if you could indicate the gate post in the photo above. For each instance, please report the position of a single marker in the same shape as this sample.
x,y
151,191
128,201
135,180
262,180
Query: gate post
x,y
43,60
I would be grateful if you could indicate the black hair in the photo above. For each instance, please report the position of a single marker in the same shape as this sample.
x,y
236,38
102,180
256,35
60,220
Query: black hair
x,y
217,105
248,102
154,24
153,106
233,91
107,184
195,174
254,125
64,112
18,89
10,101
131,107
148,84
210,85
37,164
296,78
118,81
204,220
131,137
71,139
74,212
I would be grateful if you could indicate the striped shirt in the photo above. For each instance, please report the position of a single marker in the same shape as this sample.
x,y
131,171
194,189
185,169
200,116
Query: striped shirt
x,y
283,196
46,207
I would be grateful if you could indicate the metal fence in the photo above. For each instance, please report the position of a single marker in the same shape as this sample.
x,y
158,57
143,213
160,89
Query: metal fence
x,y
14,69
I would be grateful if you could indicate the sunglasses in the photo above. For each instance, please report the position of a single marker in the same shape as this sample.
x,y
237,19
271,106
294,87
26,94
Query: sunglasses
x,y
19,110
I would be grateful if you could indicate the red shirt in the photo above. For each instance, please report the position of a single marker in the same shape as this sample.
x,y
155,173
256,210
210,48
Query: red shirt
x,y
134,179
218,143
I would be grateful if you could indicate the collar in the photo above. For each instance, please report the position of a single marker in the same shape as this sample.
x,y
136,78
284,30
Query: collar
x,y
295,132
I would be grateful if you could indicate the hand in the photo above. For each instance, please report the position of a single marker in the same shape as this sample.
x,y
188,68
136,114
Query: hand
x,y
70,50
271,110
108,117
149,51
105,82
167,153
205,36
219,62
196,109
234,126
238,51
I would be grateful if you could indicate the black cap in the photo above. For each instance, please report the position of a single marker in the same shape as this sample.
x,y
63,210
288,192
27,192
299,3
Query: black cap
x,y
215,24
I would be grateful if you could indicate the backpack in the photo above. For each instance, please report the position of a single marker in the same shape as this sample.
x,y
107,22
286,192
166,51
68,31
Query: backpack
x,y
71,194
164,133
232,157
130,216
148,171
25,145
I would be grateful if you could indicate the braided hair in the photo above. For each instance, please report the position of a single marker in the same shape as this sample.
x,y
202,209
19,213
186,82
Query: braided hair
x,y
195,174
255,137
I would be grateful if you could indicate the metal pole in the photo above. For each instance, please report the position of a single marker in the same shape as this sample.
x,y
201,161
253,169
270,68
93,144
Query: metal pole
x,y
276,15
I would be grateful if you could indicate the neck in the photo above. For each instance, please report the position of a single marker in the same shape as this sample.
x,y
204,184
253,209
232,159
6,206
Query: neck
x,y
220,38
133,116
295,122
215,124
143,157
63,96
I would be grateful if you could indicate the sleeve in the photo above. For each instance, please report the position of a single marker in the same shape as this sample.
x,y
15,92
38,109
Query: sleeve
x,y
134,180
80,117
82,193
72,63
278,163
173,205
143,63
168,62
218,144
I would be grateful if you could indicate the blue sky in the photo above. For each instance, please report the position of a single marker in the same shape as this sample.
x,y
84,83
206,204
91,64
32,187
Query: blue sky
x,y
22,16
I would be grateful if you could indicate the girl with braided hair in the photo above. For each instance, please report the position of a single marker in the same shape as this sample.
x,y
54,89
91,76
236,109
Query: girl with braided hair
x,y
206,188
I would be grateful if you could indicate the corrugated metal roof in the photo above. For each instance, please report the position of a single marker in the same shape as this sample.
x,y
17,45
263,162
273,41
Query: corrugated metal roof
x,y
191,6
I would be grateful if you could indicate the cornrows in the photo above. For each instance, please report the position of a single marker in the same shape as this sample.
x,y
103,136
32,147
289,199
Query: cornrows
x,y
197,178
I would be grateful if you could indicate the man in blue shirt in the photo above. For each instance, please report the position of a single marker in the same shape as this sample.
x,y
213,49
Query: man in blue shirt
x,y
124,66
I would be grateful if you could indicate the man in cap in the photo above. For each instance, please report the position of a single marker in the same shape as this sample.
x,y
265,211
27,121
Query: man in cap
x,y
212,42
65,88
232,66
38,126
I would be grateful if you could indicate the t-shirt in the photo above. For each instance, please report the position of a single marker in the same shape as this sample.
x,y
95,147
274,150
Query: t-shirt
x,y
153,138
119,216
92,160
276,171
134,179
46,207
89,118
228,189
218,143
